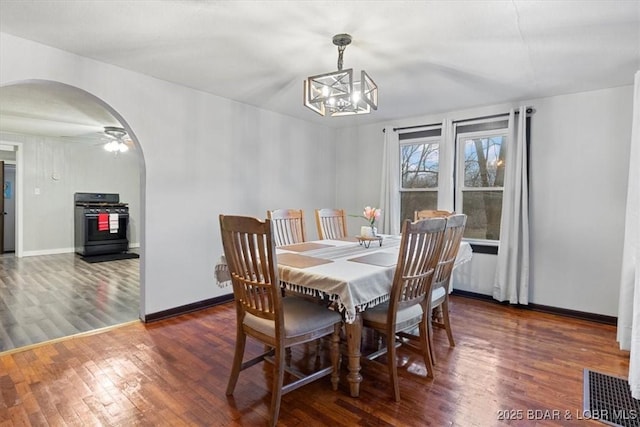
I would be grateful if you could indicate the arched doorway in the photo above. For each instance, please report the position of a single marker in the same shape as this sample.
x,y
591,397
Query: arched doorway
x,y
54,130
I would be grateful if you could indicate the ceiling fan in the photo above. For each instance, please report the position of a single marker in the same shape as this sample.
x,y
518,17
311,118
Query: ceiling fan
x,y
116,142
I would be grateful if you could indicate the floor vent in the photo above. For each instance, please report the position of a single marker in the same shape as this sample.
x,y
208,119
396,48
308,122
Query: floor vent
x,y
608,399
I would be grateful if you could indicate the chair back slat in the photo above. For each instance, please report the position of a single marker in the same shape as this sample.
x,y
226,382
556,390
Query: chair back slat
x,y
251,258
288,226
420,250
331,223
453,233
430,213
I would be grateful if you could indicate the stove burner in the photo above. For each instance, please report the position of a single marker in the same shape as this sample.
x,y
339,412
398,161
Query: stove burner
x,y
101,205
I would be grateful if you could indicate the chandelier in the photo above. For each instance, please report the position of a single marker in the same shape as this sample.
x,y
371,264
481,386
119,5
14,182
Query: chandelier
x,y
336,93
117,144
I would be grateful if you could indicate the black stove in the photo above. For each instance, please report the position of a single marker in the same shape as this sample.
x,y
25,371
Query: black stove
x,y
101,224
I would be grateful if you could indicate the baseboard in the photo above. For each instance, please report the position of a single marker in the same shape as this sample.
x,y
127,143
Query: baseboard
x,y
48,252
188,308
59,251
593,317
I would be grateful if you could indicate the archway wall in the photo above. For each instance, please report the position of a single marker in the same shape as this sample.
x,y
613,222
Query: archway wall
x,y
203,155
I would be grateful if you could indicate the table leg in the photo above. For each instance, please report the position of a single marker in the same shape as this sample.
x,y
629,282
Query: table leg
x,y
354,339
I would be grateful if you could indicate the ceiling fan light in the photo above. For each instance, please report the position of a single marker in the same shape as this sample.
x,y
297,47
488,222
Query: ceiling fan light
x,y
111,146
116,147
117,144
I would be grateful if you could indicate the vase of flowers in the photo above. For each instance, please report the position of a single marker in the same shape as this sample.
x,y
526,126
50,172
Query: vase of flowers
x,y
371,215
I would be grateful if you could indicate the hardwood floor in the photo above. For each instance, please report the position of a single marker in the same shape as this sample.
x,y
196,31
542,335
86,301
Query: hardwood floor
x,y
53,296
174,372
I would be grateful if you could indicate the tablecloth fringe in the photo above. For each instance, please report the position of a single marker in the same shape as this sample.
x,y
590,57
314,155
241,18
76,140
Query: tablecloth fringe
x,y
303,290
349,317
372,303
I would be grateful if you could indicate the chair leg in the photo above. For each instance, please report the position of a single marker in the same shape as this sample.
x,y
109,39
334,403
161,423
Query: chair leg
x,y
276,388
392,364
425,343
446,321
335,356
241,340
287,356
429,330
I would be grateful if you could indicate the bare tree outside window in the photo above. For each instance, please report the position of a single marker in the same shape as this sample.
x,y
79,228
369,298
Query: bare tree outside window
x,y
478,166
482,184
419,168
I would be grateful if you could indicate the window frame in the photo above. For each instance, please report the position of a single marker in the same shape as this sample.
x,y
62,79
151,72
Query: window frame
x,y
459,183
435,139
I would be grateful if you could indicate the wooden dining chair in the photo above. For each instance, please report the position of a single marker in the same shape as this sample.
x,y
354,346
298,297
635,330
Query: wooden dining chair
x,y
420,248
331,223
442,278
430,213
264,314
288,226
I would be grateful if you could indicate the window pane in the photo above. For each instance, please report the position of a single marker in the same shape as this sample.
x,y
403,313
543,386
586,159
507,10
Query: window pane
x,y
483,209
419,165
484,162
411,201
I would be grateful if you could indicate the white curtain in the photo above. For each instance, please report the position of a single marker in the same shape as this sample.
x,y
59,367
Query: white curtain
x,y
512,270
390,188
629,305
446,161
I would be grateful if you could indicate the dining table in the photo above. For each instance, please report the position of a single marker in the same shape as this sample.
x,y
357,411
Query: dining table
x,y
353,274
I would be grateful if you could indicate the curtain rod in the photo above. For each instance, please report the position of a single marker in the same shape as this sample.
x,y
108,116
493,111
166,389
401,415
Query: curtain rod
x,y
530,110
417,126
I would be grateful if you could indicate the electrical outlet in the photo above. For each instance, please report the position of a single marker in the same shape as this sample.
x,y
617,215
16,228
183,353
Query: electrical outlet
x,y
36,191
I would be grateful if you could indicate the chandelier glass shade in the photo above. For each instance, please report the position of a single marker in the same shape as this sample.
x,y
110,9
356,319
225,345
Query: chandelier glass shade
x,y
336,93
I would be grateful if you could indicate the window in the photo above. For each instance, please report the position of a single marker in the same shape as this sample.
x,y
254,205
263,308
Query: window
x,y
419,169
480,182
476,160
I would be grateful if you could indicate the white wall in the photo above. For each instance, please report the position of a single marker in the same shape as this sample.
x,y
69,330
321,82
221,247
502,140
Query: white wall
x,y
580,163
578,172
203,155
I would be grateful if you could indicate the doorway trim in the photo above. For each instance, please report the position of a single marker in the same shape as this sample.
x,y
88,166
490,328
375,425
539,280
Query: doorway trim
x,y
17,148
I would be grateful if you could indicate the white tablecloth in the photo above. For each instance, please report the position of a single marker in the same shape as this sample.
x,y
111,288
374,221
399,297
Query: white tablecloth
x,y
354,286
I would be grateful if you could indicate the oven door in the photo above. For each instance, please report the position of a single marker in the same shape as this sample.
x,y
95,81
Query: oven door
x,y
95,235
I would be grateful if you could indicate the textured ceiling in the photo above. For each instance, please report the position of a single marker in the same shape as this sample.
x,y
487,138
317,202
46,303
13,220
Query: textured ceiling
x,y
425,56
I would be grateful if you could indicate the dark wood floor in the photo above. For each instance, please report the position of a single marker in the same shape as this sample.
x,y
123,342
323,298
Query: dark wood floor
x,y
174,372
53,296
